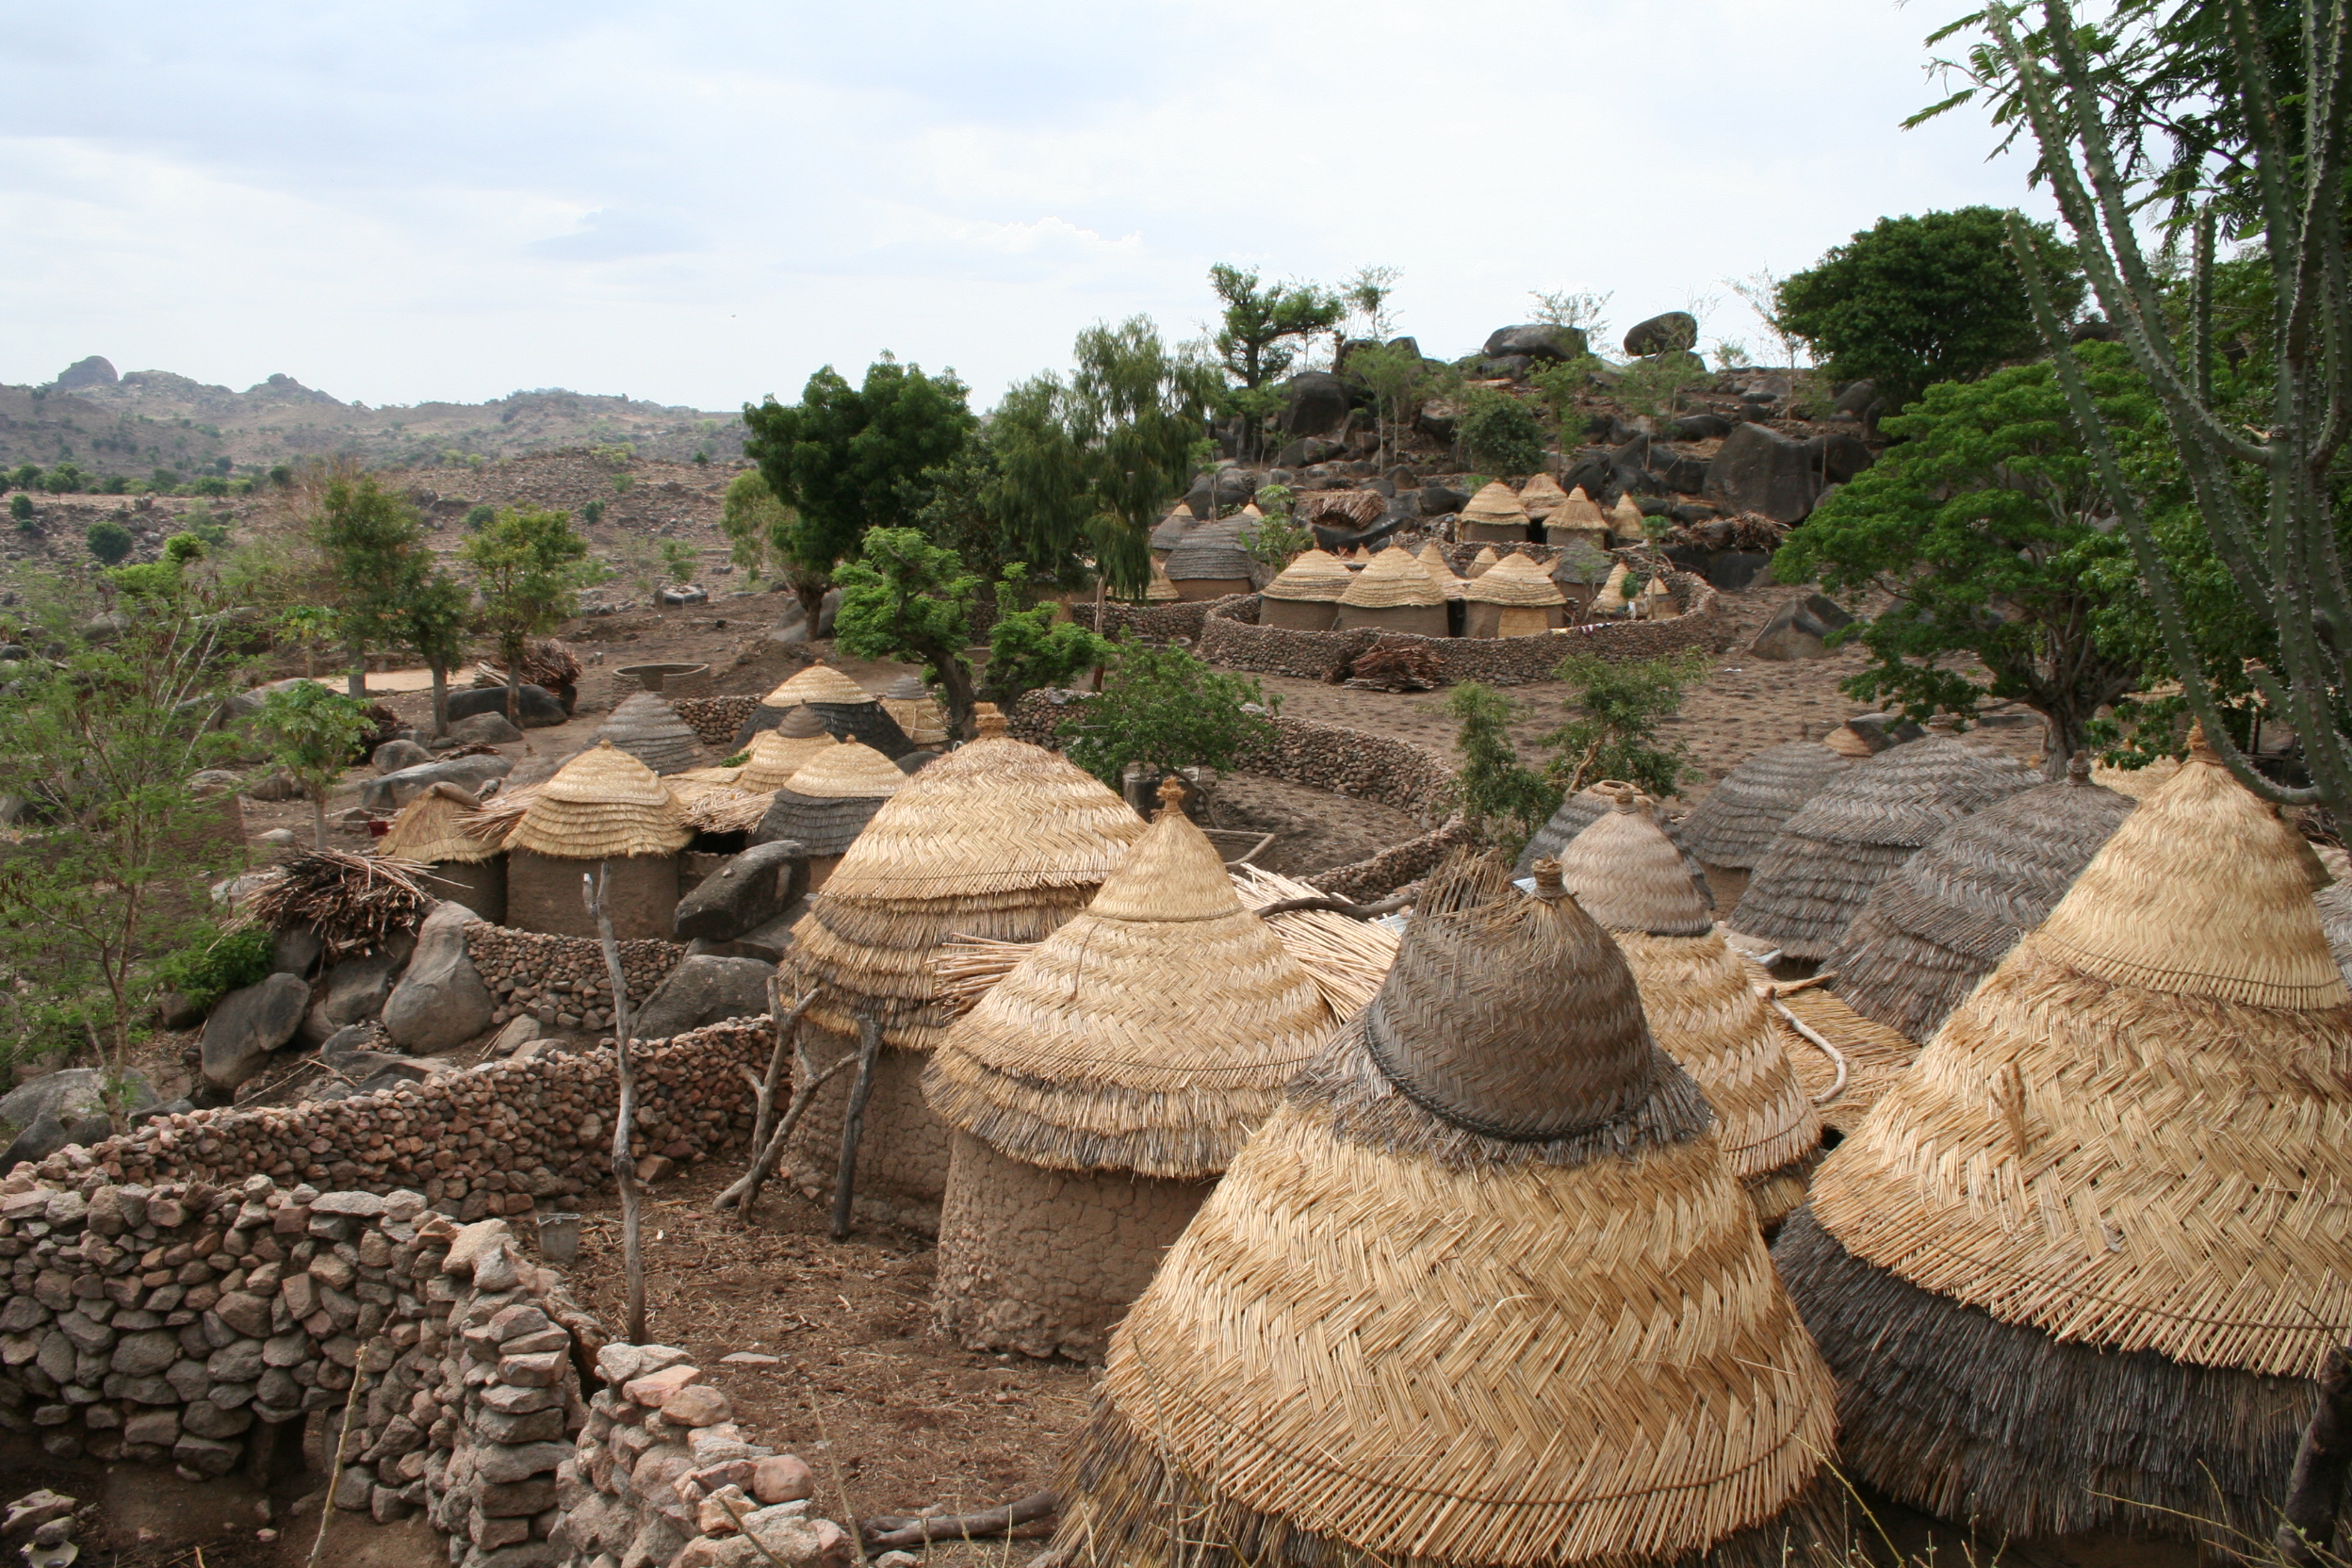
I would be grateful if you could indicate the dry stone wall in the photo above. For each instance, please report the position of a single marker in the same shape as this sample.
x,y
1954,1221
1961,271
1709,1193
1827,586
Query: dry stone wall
x,y
715,721
562,981
1157,623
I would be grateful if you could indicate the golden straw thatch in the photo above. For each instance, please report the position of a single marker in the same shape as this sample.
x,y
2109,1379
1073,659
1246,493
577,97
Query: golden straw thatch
x,y
1211,551
1391,579
602,805
1579,514
1481,1292
2139,783
431,830
1483,562
848,771
1541,497
1847,742
1746,809
827,804
798,738
1516,580
1159,590
1433,559
2077,1266
1625,521
817,683
1315,575
1497,503
1869,1058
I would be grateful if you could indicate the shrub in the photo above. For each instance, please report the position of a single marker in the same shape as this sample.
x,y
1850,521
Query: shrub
x,y
478,516
209,484
116,484
1167,710
590,514
65,479
109,541
165,480
21,508
1505,801
621,483
282,475
229,962
181,548
1616,734
26,477
1655,385
1501,433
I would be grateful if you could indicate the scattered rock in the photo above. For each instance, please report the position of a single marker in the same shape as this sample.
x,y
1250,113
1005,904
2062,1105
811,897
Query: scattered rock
x,y
1673,329
440,1001
704,990
1536,340
520,1031
751,889
395,789
1759,469
59,1108
1799,631
248,1026
541,708
1314,402
393,756
782,1479
489,729
281,838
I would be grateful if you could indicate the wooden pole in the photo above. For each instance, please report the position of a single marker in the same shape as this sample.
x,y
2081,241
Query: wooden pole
x,y
624,1168
2309,1526
854,1123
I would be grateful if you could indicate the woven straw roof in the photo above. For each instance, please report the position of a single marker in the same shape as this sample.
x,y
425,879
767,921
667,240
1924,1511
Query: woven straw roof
x,y
650,730
1514,580
1940,924
1497,503
1159,590
1738,820
1154,1033
1483,562
907,687
1315,575
822,825
1624,518
846,771
602,805
1370,1347
1173,527
1874,1055
430,829
1834,851
817,683
1541,496
2139,783
2335,921
1579,511
1847,742
1433,559
1391,579
780,753
1211,550
1627,874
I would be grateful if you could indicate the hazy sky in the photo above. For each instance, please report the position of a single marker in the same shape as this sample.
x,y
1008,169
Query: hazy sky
x,y
702,203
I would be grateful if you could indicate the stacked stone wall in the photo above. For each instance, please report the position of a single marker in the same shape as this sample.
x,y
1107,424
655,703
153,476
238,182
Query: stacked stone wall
x,y
562,981
715,721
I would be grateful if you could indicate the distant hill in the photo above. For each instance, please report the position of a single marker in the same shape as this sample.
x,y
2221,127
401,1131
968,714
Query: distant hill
x,y
133,424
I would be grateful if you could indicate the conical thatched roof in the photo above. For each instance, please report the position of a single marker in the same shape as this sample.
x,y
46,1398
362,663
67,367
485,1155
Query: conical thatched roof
x,y
1497,503
1582,563
1579,511
918,712
1211,550
1315,575
650,730
780,753
1741,815
847,772
1154,1033
1481,1292
2082,1256
1696,995
1433,559
1851,836
1624,518
2335,919
602,805
832,798
1483,562
1391,579
2139,783
1514,580
1848,743
1159,590
817,683
431,830
1541,497
1579,811
1173,527
1940,924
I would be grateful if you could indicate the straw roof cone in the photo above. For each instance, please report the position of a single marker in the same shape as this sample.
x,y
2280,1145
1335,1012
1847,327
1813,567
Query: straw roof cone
x,y
1433,559
1834,852
1173,527
1497,503
1483,1291
1579,811
1483,562
817,683
833,797
1746,809
1154,1033
1159,590
1624,518
1940,924
777,754
431,830
1579,511
1211,550
1701,1007
1392,577
650,730
2334,901
918,712
1516,580
1849,743
2139,783
1541,497
2079,1264
602,805
1313,575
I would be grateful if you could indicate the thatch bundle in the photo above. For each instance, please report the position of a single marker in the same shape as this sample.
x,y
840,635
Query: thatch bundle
x,y
1494,512
798,738
1483,562
434,828
1745,811
1355,509
714,806
1938,926
650,730
602,805
1391,580
1312,575
353,902
1831,855
1481,1292
1847,742
2335,920
2139,783
547,663
829,801
2076,1267
1433,559
1212,552
1701,1007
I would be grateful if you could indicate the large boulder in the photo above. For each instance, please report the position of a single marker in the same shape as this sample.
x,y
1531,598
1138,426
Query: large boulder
x,y
541,708
1314,402
441,1001
356,988
1759,469
58,1108
489,729
247,1025
1535,340
1840,456
393,756
1669,330
395,789
751,889
1800,630
705,990
97,371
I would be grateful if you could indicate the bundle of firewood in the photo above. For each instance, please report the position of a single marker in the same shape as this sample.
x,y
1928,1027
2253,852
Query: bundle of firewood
x,y
353,902
1391,664
547,663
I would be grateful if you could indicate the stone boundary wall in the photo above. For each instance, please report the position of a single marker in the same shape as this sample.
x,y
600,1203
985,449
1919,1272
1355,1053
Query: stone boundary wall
x,y
555,978
1161,623
716,720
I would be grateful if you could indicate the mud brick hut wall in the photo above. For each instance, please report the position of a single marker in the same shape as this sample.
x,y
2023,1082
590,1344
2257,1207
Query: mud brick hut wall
x,y
562,980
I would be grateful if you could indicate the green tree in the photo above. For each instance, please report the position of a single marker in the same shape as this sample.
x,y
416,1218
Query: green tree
x,y
904,597
754,522
1618,711
65,479
1397,376
109,541
311,733
678,560
1917,300
1029,651
850,459
310,627
376,558
1265,325
1503,800
528,567
21,508
1167,710
432,622
1501,433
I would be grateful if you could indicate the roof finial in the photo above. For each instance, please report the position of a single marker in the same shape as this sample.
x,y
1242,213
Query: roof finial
x,y
1172,796
987,727
2200,749
1548,883
2079,768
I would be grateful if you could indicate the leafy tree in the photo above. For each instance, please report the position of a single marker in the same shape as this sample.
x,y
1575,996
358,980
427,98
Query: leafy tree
x,y
1504,800
528,567
26,476
433,622
21,508
65,479
1619,709
376,557
1398,377
850,459
109,541
754,522
1028,650
679,559
1501,433
477,515
904,597
1167,710
1263,327
1917,300
310,627
311,733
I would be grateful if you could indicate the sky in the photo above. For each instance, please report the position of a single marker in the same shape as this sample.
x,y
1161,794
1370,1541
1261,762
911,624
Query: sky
x,y
702,201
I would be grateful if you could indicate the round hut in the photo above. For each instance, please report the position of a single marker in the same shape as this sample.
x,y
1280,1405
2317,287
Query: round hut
x,y
917,711
998,840
829,802
1209,563
849,711
1306,597
1483,1292
1579,811
1433,559
1159,590
1578,571
602,808
1730,830
2139,783
1541,497
1099,1090
460,866
1700,1005
1394,593
1494,516
1625,523
1516,600
1483,562
1858,830
2077,1270
650,730
798,738
1577,521
1851,744
1170,531
1940,924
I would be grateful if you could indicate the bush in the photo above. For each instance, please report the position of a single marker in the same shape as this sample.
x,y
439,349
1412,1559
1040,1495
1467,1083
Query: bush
x,y
479,516
1167,710
1616,734
109,541
116,484
1501,433
282,475
1504,801
209,484
65,479
26,477
229,962
21,508
165,480
592,513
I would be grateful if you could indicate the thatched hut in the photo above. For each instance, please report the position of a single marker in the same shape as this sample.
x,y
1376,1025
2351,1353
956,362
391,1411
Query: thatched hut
x,y
1541,497
2078,1268
1483,1292
1730,830
1494,517
1482,562
1306,597
998,840
1940,924
1578,571
1099,1090
2334,901
1170,531
1516,600
650,730
1851,744
1159,590
1577,520
1433,559
460,866
1626,524
1869,1056
1834,852
918,712
798,738
1209,563
1394,593
603,808
849,711
1701,1005
829,802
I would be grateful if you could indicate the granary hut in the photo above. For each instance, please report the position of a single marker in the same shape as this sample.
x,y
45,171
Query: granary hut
x,y
1857,831
918,712
2139,783
1579,811
1305,595
1516,600
1433,559
1702,1007
1098,1090
1851,744
798,738
1171,530
998,840
1541,497
1955,909
1578,571
829,802
1483,562
650,730
1159,590
1394,593
2078,1268
1577,520
1624,521
1494,517
849,711
605,809
1209,563
1730,830
1483,1291
460,866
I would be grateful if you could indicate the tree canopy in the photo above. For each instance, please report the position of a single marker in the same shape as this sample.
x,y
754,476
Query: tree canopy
x,y
374,549
528,567
1264,324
